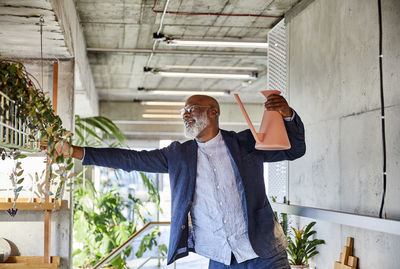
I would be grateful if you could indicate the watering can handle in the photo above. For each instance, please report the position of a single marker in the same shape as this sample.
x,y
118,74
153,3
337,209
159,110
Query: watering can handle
x,y
253,131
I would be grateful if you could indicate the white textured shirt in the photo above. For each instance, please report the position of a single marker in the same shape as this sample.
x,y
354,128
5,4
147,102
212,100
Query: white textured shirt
x,y
219,225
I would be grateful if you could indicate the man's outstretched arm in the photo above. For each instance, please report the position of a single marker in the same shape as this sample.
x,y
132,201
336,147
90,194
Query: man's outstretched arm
x,y
77,152
128,160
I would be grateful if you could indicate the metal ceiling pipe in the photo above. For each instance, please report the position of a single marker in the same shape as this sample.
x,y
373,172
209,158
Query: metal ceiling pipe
x,y
194,52
158,32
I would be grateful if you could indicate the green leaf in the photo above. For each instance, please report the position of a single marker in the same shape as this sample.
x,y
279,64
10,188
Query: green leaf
x,y
309,226
163,249
60,158
69,167
106,126
90,131
18,189
118,134
20,156
80,137
20,181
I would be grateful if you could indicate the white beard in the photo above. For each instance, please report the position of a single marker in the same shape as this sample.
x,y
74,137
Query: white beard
x,y
200,122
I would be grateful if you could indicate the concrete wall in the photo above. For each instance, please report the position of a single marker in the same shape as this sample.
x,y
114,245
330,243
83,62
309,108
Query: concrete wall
x,y
334,85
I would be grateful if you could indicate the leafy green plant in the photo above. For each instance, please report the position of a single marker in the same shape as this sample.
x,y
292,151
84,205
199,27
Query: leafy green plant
x,y
34,109
301,248
99,223
282,217
97,131
149,241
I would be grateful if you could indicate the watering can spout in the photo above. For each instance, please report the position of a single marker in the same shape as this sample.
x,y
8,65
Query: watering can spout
x,y
272,135
258,137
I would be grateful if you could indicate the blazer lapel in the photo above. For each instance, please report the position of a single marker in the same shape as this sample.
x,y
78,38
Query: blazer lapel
x,y
191,155
232,146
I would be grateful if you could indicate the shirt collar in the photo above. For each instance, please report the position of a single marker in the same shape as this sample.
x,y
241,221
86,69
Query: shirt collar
x,y
212,142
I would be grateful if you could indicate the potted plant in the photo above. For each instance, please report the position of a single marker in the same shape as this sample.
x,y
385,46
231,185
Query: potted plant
x,y
301,248
26,109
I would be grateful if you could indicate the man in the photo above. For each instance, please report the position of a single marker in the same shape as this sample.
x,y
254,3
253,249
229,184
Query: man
x,y
219,206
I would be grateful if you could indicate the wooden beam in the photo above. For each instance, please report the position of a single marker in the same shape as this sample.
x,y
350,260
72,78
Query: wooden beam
x,y
25,204
31,262
47,213
55,86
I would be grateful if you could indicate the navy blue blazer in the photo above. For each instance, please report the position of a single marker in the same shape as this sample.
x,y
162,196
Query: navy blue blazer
x,y
180,160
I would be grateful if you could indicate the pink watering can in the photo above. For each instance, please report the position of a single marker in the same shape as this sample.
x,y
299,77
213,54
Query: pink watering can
x,y
272,135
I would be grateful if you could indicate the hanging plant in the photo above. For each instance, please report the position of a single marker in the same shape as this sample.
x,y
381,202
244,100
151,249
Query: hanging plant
x,y
34,109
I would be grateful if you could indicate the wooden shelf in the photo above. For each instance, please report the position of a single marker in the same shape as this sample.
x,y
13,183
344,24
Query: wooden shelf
x,y
23,204
31,262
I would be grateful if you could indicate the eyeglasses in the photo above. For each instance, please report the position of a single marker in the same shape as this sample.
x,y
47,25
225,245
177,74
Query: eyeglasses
x,y
190,109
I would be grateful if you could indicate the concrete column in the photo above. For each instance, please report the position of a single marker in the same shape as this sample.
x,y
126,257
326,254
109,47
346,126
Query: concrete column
x,y
86,96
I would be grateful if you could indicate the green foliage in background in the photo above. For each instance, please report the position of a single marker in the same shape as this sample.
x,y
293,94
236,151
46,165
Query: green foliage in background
x,y
97,131
149,241
99,223
282,217
301,247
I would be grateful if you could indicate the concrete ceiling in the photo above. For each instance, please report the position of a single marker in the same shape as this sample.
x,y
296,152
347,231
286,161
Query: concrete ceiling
x,y
119,38
20,30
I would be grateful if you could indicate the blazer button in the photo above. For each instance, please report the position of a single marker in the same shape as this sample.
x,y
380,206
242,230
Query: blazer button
x,y
190,203
183,227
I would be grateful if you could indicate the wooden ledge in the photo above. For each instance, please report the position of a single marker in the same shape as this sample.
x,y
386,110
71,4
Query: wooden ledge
x,y
32,262
24,204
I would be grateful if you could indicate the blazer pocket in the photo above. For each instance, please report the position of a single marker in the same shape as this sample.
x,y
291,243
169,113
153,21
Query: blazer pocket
x,y
265,219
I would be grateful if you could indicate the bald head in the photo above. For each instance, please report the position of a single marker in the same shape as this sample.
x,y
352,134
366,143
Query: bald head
x,y
203,100
201,122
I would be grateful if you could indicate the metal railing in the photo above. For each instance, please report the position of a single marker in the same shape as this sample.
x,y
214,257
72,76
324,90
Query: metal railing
x,y
344,218
151,258
117,250
13,132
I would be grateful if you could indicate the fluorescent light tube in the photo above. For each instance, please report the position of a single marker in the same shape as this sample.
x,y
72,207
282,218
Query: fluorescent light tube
x,y
168,111
252,76
215,43
162,116
159,103
201,67
187,92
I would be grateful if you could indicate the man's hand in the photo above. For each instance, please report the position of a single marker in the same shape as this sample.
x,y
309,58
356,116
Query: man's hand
x,y
63,147
279,104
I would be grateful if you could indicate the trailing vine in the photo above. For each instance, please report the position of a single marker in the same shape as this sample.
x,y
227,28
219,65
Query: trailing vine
x,y
34,109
